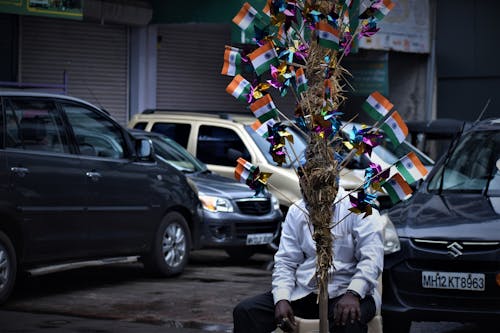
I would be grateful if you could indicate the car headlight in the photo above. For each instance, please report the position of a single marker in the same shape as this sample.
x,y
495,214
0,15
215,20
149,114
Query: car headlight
x,y
391,239
275,203
216,204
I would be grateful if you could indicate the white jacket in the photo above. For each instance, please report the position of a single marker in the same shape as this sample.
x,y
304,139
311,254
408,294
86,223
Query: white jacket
x,y
358,254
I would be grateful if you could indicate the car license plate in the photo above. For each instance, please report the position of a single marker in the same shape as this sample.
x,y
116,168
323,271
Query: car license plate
x,y
258,239
453,280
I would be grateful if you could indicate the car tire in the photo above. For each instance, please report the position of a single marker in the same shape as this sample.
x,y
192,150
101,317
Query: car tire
x,y
170,250
240,254
8,267
393,324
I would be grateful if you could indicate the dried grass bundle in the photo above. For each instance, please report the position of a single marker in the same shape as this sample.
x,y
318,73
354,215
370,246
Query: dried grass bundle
x,y
320,179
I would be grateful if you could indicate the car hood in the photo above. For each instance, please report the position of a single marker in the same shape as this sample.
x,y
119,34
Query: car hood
x,y
450,216
216,185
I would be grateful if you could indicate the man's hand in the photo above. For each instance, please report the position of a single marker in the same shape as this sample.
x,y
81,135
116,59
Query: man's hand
x,y
283,314
347,308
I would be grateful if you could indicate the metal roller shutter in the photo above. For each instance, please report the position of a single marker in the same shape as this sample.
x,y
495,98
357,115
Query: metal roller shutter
x,y
94,56
190,59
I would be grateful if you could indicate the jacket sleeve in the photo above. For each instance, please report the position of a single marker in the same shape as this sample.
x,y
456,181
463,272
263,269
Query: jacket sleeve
x,y
289,255
369,251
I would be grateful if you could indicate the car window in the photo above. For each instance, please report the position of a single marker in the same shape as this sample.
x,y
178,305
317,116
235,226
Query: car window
x,y
215,143
95,135
141,125
33,124
471,166
295,150
177,132
172,153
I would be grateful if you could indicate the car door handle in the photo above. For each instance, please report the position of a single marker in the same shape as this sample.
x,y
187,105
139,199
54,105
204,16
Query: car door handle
x,y
93,175
20,171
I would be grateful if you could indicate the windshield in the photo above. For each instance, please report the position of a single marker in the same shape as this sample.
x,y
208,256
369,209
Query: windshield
x,y
295,152
387,151
172,153
471,166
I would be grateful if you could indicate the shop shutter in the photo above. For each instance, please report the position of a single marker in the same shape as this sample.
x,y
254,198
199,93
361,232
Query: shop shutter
x,y
94,57
190,59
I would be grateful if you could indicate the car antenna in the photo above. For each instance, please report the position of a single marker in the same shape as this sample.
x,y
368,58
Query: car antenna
x,y
454,143
95,98
483,111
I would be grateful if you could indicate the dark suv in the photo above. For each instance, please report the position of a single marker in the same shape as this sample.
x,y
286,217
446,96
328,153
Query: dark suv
x,y
444,261
76,186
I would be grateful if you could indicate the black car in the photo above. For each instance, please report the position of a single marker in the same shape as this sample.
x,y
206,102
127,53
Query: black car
x,y
444,260
75,186
235,218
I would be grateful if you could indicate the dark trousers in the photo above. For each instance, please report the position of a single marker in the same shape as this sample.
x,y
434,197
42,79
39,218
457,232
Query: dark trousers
x,y
256,314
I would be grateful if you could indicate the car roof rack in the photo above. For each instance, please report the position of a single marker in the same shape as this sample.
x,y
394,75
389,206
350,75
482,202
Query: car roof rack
x,y
221,115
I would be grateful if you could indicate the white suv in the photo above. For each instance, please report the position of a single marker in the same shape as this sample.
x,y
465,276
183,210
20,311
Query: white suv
x,y
219,139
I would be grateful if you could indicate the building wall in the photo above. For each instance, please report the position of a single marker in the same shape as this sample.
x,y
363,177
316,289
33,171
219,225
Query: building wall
x,y
93,56
8,45
468,69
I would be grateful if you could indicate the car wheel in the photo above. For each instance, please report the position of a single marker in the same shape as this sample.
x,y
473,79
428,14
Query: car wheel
x,y
240,253
169,253
393,324
8,267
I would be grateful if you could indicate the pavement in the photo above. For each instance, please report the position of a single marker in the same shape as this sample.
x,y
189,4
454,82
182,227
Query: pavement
x,y
122,298
9,323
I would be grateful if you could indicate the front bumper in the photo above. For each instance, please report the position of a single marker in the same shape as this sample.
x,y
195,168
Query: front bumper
x,y
231,229
404,297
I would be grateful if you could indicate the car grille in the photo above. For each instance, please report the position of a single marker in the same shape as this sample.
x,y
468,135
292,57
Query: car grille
x,y
463,246
254,206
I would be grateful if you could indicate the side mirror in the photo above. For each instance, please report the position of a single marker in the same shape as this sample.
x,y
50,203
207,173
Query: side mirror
x,y
144,150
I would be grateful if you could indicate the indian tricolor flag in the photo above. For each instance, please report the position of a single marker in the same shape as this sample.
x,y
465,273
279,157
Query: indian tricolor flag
x,y
232,61
300,80
245,171
397,188
327,89
411,168
395,128
239,88
383,9
377,106
281,35
327,35
246,16
264,108
263,128
345,20
267,8
263,57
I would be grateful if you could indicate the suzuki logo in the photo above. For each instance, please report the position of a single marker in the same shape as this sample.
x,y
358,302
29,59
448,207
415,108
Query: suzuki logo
x,y
454,249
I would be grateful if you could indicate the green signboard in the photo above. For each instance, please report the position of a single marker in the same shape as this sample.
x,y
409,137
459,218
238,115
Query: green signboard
x,y
369,74
71,9
199,11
